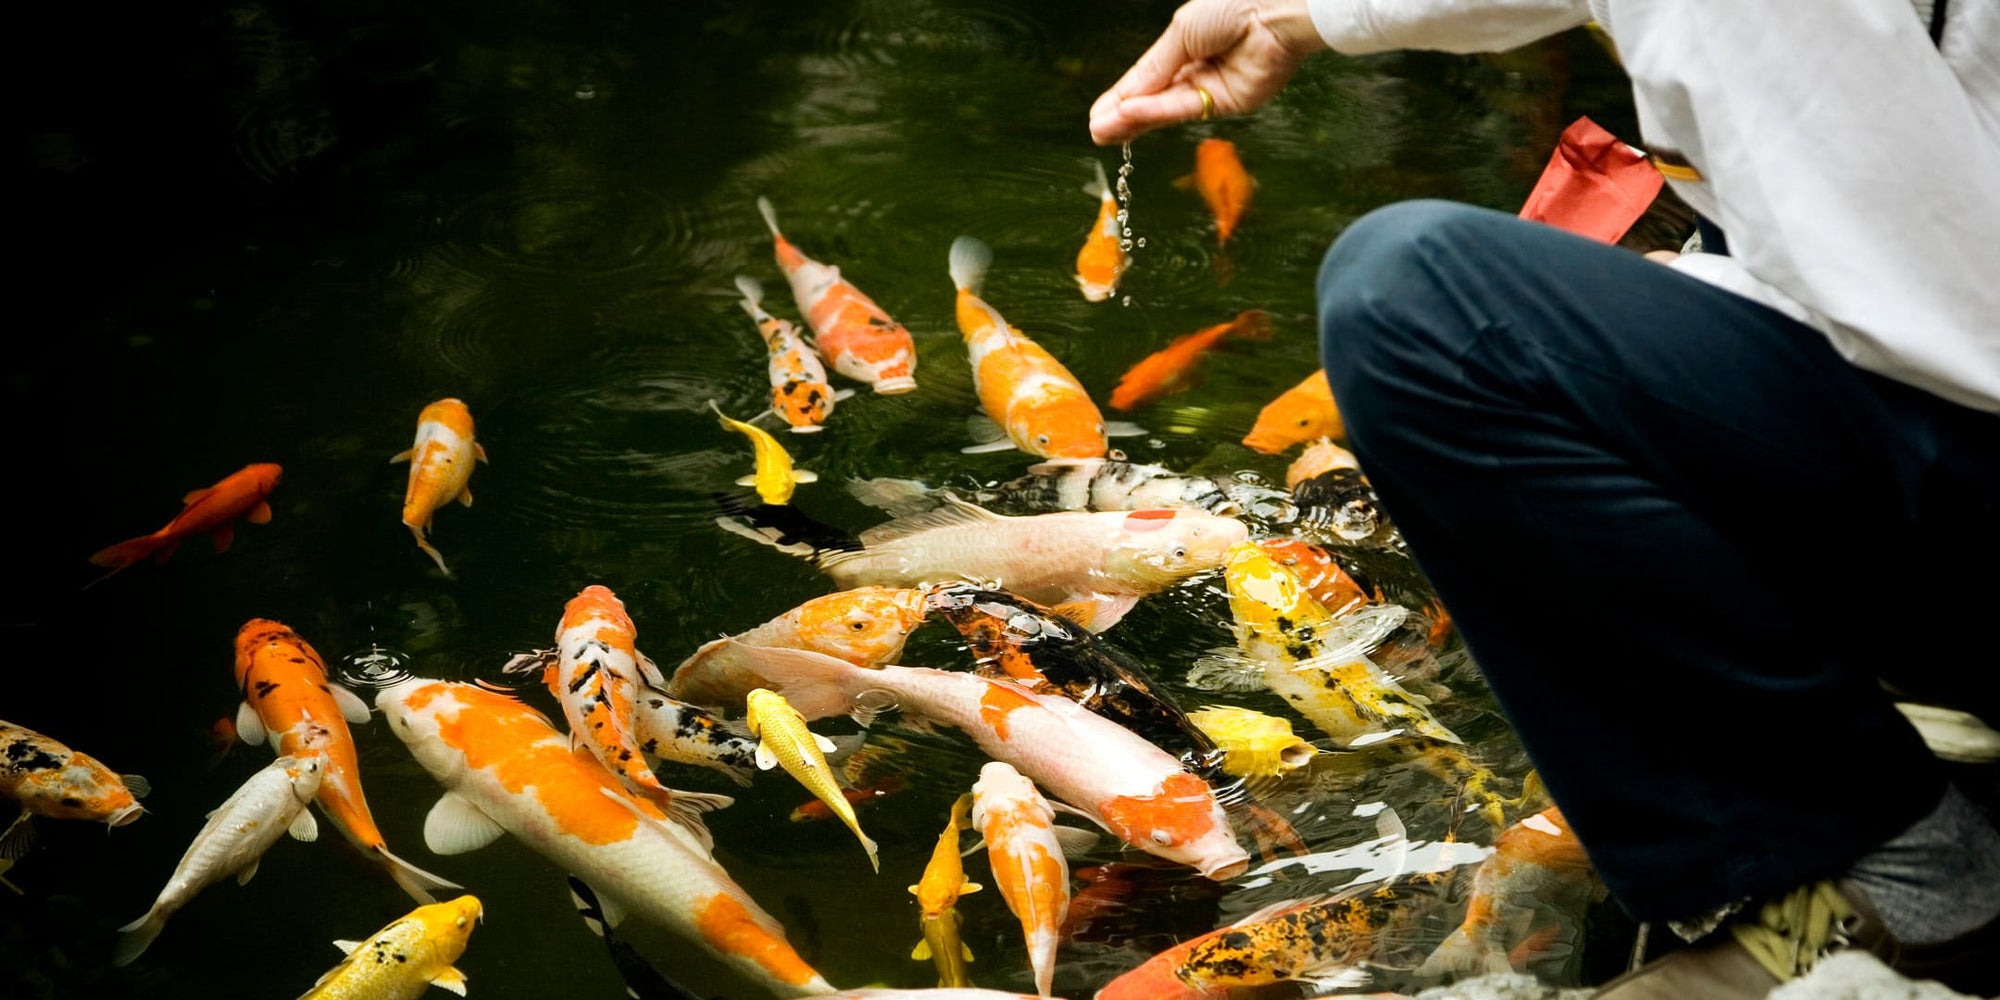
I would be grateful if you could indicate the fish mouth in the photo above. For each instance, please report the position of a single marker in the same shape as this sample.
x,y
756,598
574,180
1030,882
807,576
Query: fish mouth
x,y
126,815
807,428
1223,873
895,386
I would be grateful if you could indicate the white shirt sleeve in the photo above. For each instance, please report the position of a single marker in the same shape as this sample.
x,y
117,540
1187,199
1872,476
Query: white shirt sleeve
x,y
1856,173
1358,27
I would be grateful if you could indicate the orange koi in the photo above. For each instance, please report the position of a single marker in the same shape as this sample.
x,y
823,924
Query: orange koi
x,y
1322,576
800,395
49,779
854,333
506,770
441,463
1043,408
1222,182
212,512
289,703
1028,864
1537,866
865,626
1103,259
1171,369
1302,413
1319,458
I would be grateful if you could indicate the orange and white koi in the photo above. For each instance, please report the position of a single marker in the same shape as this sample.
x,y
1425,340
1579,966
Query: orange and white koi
x,y
264,808
800,395
441,464
405,959
775,477
1129,787
865,626
1103,259
507,770
1043,409
786,742
857,336
1171,369
595,672
1301,413
1538,874
49,779
289,703
1222,182
212,512
1029,869
937,895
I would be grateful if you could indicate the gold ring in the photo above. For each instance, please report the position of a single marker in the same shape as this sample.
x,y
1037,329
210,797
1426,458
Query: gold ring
x,y
1207,102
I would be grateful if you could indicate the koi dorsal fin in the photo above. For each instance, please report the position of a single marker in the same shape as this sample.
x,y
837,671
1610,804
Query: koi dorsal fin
x,y
954,513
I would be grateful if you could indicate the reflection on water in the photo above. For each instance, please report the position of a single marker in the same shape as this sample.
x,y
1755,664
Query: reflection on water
x,y
273,233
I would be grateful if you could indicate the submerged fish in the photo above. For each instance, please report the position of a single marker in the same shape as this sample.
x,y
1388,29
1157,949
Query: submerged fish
x,y
1103,259
775,476
1302,413
507,770
856,797
1316,458
1172,368
1043,409
1035,646
1324,578
642,981
1222,182
49,779
1537,878
674,730
289,703
405,959
1330,942
212,511
856,335
264,808
1341,502
441,464
1069,484
1254,745
786,742
800,394
937,900
865,626
1029,869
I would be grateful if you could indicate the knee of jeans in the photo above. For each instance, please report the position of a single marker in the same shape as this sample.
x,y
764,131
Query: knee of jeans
x,y
1375,279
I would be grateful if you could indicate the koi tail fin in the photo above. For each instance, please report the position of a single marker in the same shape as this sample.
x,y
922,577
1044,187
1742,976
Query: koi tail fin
x,y
413,880
1251,324
687,809
436,556
782,527
132,550
770,215
969,260
1101,187
134,938
1459,955
753,297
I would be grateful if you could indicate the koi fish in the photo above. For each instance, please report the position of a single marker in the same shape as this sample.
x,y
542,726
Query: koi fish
x,y
889,993
289,703
1222,182
49,779
674,730
1018,826
1068,484
232,842
865,626
1301,413
507,770
1254,745
800,395
1098,565
1341,502
1330,942
405,959
441,464
1103,259
937,895
595,671
212,512
1127,786
1043,409
1013,638
1171,369
775,477
856,797
1280,626
1329,584
1537,865
854,333
1319,457
642,981
787,743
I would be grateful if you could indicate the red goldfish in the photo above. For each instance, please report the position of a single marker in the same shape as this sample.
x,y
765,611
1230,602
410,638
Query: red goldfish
x,y
1222,182
1042,407
854,333
1103,259
288,702
1301,413
800,395
440,467
1171,369
212,511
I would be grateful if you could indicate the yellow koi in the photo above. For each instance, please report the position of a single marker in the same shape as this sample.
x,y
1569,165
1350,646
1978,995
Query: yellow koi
x,y
775,477
937,894
406,958
786,742
1253,744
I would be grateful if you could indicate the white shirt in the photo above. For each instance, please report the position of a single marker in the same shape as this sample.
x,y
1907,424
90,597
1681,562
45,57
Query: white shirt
x,y
1854,165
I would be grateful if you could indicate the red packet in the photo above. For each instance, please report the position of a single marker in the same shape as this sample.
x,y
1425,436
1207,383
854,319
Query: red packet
x,y
1594,185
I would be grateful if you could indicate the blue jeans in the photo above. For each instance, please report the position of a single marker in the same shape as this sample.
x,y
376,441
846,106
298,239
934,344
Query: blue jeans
x,y
1684,541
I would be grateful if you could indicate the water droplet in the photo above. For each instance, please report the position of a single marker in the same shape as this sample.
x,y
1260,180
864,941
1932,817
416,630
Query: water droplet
x,y
1126,301
1142,242
1125,245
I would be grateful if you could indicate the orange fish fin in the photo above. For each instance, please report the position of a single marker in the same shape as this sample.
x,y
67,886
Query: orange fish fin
x,y
1185,182
1082,611
194,495
223,536
1252,324
260,514
403,456
465,497
127,552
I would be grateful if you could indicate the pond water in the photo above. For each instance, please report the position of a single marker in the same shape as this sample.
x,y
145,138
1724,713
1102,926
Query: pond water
x,y
273,233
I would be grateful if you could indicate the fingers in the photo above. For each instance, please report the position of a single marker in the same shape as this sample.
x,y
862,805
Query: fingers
x,y
1156,90
1113,120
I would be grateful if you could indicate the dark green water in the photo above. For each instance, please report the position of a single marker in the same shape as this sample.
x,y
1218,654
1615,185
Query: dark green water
x,y
272,233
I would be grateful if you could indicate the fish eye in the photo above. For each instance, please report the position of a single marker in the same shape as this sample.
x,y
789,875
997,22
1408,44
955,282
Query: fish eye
x,y
1178,552
1042,439
72,801
460,922
1303,421
857,625
1162,838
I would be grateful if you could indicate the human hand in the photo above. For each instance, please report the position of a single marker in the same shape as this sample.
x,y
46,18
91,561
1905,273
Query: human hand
x,y
1240,51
